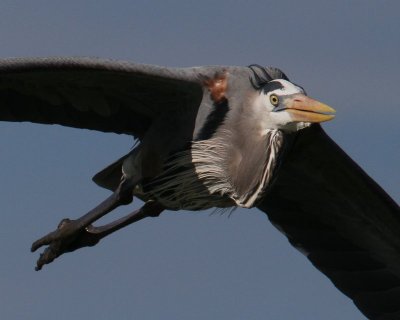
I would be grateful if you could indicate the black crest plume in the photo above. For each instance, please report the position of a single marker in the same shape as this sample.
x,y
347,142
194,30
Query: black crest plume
x,y
263,75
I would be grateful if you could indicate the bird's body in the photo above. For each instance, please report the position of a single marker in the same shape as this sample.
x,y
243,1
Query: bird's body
x,y
203,175
218,136
227,158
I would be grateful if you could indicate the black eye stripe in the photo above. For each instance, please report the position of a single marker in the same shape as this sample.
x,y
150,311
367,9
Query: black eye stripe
x,y
271,86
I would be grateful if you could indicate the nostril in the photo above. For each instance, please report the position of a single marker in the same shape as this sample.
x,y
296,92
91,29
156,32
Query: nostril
x,y
298,99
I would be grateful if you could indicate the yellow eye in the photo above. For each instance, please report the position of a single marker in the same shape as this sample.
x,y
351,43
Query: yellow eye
x,y
274,99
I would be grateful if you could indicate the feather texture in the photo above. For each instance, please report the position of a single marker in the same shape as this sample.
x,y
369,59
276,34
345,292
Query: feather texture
x,y
203,176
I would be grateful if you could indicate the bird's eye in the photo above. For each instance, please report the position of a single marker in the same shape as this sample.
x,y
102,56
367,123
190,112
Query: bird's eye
x,y
274,99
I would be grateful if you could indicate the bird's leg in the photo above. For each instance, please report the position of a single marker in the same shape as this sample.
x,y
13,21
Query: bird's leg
x,y
69,231
91,235
149,209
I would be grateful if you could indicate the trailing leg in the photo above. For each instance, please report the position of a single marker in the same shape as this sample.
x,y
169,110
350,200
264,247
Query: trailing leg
x,y
69,231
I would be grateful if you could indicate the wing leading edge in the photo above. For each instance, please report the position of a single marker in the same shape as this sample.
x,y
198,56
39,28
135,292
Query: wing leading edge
x,y
97,94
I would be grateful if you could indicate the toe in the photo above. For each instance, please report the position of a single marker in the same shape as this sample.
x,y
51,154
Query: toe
x,y
44,241
48,256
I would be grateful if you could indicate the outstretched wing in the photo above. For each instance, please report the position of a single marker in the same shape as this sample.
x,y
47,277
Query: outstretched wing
x,y
104,95
345,224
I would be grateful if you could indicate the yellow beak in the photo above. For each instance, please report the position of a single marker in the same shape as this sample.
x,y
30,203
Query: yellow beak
x,y
306,109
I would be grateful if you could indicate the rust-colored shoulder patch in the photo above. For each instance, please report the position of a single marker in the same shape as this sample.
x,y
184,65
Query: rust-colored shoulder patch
x,y
217,87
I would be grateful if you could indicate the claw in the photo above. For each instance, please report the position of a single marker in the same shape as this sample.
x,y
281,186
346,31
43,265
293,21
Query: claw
x,y
48,256
68,237
62,232
44,241
57,241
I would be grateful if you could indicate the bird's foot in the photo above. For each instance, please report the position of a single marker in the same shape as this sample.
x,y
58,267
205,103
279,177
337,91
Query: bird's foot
x,y
68,237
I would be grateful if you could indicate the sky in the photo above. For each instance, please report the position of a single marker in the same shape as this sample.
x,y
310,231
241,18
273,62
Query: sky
x,y
187,265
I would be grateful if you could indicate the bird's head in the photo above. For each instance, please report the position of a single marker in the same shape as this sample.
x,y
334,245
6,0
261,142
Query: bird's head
x,y
284,104
289,108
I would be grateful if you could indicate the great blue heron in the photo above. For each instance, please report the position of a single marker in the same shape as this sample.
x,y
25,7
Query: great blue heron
x,y
218,137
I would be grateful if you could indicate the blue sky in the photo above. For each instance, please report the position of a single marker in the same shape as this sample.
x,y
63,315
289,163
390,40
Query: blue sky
x,y
188,265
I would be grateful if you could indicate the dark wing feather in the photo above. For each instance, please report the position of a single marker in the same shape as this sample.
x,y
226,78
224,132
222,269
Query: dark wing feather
x,y
104,95
346,225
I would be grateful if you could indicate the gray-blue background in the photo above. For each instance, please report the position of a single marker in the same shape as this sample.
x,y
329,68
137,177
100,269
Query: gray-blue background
x,y
187,265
